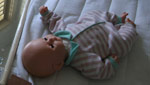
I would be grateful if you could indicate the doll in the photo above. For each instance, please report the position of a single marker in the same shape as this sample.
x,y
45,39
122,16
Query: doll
x,y
93,45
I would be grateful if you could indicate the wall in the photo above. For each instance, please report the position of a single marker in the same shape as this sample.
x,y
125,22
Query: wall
x,y
7,33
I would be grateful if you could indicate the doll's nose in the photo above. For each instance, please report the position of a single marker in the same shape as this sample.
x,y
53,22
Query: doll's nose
x,y
51,40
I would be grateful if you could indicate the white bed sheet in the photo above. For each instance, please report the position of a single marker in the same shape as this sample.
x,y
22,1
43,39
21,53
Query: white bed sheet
x,y
134,69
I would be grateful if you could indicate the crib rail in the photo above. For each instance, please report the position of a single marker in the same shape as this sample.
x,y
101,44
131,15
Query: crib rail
x,y
14,47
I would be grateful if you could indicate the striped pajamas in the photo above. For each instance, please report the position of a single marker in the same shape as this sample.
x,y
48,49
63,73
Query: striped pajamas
x,y
97,41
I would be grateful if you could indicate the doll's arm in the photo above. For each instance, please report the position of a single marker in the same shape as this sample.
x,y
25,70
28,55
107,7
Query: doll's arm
x,y
116,19
48,17
92,66
45,14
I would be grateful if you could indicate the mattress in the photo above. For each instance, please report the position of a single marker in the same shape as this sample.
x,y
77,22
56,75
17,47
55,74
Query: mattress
x,y
134,68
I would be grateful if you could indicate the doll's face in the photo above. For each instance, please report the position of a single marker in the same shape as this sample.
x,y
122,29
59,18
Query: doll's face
x,y
44,56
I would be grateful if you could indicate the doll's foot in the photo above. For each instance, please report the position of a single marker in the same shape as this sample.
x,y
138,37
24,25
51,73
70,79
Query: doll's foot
x,y
123,16
128,20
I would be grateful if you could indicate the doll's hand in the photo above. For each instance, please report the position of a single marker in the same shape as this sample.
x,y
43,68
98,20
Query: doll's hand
x,y
123,16
115,58
43,10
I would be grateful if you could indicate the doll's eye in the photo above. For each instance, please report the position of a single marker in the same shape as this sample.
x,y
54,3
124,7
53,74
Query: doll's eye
x,y
45,39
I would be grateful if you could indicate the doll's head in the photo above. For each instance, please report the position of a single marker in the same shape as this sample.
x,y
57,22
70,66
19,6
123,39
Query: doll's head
x,y
44,56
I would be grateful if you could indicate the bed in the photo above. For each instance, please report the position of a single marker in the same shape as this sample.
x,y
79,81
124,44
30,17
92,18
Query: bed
x,y
134,69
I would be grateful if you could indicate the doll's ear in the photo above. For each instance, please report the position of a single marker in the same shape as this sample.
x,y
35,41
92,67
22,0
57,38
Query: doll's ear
x,y
58,66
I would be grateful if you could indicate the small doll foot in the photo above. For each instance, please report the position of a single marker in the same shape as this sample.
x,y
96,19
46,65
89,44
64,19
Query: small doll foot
x,y
128,20
123,16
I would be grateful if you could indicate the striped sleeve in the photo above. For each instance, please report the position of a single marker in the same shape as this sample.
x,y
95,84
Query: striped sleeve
x,y
99,16
121,41
92,66
53,21
113,18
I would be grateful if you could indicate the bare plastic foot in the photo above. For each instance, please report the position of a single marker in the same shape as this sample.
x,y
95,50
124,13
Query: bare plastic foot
x,y
128,20
123,16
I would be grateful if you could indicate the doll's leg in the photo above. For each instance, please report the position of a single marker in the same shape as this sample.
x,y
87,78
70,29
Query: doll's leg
x,y
121,42
92,66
